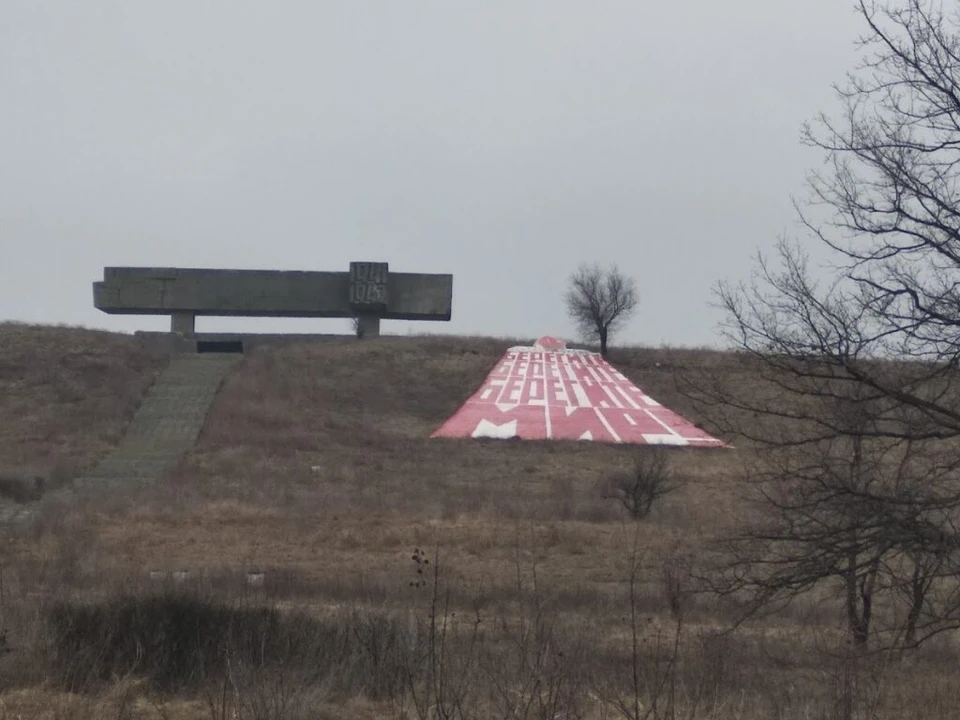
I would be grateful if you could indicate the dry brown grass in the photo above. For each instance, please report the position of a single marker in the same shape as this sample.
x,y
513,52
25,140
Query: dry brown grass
x,y
65,396
315,466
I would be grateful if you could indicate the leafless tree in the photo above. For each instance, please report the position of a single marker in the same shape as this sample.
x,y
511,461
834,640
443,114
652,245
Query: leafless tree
x,y
650,479
855,409
600,301
887,211
870,518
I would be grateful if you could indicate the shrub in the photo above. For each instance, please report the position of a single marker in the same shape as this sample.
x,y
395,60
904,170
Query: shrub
x,y
650,479
181,642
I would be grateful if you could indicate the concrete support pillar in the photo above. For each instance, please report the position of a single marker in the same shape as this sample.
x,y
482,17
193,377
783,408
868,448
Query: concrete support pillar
x,y
369,326
183,323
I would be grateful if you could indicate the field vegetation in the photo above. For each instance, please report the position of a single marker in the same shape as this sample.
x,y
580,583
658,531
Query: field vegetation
x,y
318,556
66,395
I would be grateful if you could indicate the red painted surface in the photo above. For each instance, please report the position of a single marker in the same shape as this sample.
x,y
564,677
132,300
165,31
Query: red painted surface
x,y
548,342
537,394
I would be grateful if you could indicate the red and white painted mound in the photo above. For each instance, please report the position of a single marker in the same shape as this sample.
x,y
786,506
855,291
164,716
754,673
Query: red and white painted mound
x,y
546,392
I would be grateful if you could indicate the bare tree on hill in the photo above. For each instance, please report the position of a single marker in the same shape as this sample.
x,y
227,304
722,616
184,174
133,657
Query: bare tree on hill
x,y
599,302
872,498
891,198
869,517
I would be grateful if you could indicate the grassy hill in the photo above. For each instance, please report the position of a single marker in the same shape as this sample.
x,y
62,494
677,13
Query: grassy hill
x,y
65,396
315,468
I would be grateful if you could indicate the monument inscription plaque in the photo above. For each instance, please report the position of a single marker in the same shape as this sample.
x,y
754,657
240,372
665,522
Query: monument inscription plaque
x,y
368,285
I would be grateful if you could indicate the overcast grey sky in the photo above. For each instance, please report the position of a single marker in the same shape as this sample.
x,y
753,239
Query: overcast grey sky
x,y
503,141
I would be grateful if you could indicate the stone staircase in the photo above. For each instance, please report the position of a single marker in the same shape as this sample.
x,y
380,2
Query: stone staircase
x,y
168,421
164,428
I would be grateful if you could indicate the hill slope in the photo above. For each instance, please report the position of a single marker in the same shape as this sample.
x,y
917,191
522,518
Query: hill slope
x,y
315,468
65,396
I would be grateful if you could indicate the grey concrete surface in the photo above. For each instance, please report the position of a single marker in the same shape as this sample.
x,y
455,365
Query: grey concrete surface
x,y
369,325
266,293
168,420
184,323
176,343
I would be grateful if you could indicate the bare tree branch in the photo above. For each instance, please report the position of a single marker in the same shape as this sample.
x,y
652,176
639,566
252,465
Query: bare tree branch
x,y
856,410
599,302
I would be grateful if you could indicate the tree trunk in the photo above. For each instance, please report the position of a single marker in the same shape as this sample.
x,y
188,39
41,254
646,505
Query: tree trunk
x,y
918,594
603,342
858,619
861,632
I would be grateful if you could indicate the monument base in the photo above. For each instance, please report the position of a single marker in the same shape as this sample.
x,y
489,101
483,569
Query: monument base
x,y
368,326
183,323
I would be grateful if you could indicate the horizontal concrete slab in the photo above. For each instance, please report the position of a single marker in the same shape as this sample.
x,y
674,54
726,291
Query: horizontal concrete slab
x,y
263,293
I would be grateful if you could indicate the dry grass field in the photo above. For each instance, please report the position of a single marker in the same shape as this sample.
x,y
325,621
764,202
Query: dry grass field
x,y
65,396
402,577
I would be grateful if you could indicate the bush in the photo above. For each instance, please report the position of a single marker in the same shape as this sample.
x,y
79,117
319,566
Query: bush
x,y
179,642
650,479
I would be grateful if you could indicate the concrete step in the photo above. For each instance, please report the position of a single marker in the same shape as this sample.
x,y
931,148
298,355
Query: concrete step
x,y
169,419
162,431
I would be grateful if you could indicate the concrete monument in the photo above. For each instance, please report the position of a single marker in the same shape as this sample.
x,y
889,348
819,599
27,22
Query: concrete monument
x,y
368,292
